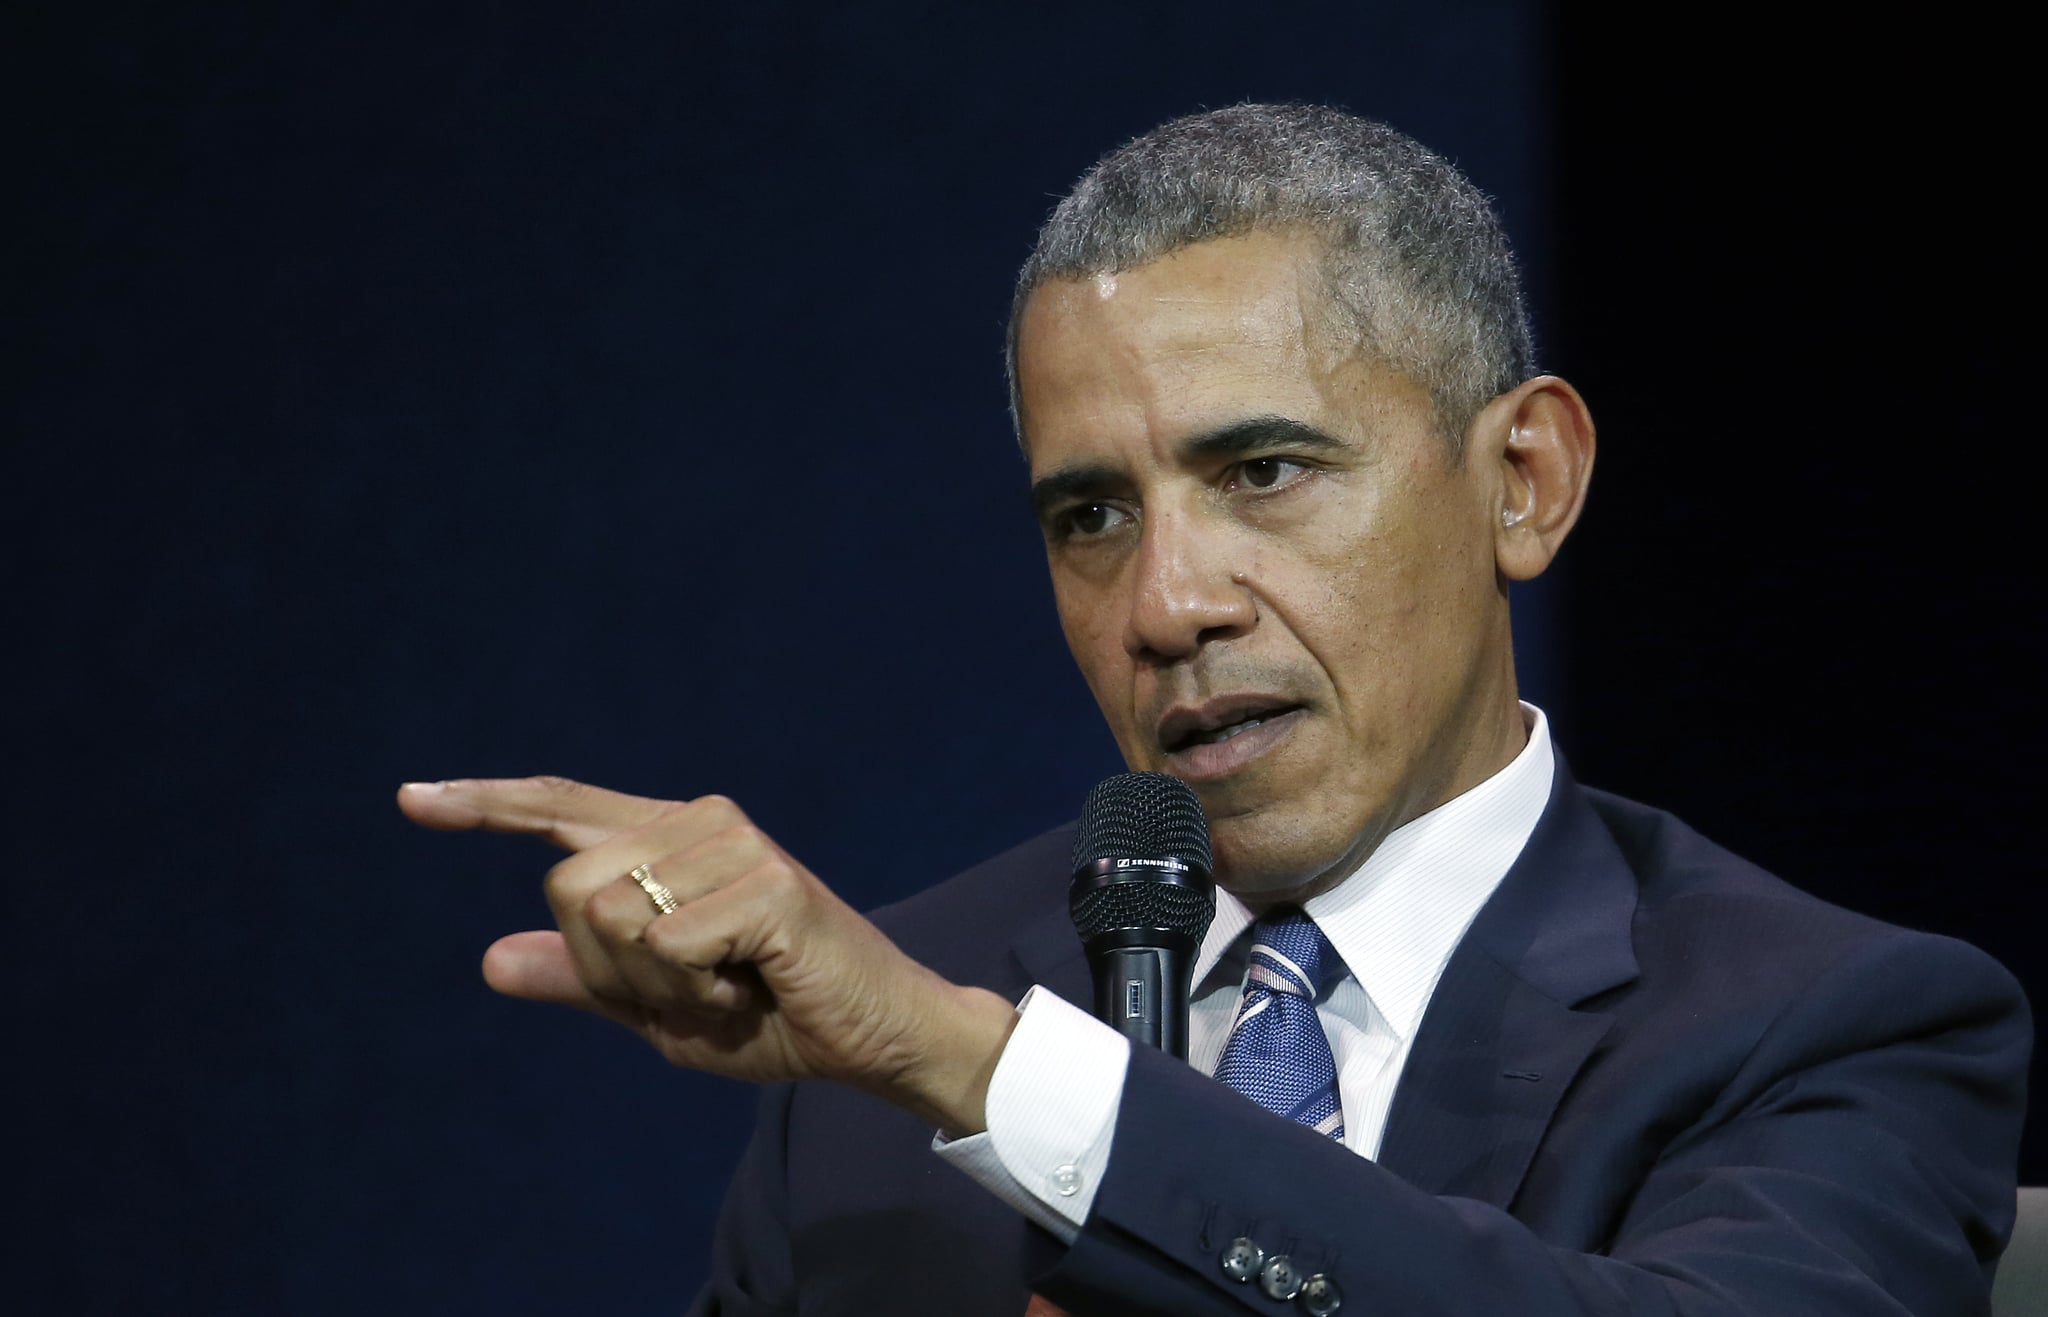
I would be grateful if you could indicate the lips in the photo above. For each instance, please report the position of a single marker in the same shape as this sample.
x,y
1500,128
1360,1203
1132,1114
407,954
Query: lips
x,y
1218,721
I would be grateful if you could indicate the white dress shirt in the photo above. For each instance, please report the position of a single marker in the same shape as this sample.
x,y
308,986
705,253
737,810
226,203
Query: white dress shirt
x,y
1053,1099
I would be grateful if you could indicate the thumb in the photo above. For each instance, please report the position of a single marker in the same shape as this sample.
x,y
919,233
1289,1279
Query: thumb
x,y
535,966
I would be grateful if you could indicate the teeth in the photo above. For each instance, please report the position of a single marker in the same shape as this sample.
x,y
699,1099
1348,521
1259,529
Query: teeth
x,y
1225,733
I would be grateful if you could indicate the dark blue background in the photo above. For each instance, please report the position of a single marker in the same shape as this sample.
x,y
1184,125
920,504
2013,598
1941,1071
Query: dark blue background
x,y
615,391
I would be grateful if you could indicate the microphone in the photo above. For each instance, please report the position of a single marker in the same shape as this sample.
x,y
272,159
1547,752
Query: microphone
x,y
1141,900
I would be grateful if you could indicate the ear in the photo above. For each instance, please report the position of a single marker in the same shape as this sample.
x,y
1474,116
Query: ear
x,y
1538,438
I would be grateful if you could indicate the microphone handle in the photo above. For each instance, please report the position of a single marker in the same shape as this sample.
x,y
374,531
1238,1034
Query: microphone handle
x,y
1141,990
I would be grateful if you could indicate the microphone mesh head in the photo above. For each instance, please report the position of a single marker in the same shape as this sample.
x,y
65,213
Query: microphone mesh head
x,y
1142,814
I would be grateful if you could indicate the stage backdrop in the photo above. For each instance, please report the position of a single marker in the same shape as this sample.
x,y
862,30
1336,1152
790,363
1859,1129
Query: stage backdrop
x,y
614,392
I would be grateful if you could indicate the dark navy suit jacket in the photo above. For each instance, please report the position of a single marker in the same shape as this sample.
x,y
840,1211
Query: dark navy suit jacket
x,y
1653,1079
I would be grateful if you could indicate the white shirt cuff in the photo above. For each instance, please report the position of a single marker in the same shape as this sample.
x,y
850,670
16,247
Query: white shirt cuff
x,y
1051,1115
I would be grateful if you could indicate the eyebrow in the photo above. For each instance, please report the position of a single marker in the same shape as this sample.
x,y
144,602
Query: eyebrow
x,y
1238,439
1257,434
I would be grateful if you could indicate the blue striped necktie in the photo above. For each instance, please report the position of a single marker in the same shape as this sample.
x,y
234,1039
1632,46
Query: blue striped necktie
x,y
1277,1054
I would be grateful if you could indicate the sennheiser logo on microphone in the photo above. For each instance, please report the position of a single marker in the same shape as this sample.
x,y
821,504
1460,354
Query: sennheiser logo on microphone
x,y
1153,868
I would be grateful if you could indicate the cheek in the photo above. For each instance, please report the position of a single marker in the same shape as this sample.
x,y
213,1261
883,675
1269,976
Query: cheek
x,y
1094,637
1388,612
1081,617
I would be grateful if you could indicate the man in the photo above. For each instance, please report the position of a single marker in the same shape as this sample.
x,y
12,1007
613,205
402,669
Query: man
x,y
1273,376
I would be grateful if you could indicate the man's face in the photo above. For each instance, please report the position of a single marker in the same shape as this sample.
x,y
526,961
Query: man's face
x,y
1274,572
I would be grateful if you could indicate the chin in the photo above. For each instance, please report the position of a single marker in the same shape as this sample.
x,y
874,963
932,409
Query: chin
x,y
1263,858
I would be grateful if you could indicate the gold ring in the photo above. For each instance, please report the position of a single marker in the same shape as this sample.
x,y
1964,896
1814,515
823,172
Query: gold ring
x,y
664,900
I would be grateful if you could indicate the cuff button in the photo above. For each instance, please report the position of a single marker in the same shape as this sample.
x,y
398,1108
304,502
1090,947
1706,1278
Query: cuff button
x,y
1320,1296
1281,1279
1242,1259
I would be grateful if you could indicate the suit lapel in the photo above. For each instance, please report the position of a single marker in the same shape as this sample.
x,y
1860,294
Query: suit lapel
x,y
1501,1040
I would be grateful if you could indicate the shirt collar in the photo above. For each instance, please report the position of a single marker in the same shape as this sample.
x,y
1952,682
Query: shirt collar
x,y
1397,918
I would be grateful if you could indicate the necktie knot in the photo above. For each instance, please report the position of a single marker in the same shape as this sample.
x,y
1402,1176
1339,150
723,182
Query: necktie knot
x,y
1291,955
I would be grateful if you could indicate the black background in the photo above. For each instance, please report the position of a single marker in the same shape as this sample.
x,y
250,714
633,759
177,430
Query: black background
x,y
615,391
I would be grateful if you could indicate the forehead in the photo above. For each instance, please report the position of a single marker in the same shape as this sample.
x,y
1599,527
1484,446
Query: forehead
x,y
1187,343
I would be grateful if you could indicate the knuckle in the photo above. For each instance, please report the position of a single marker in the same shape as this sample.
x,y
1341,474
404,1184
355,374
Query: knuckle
x,y
659,937
560,884
599,911
557,785
669,940
718,810
774,871
736,843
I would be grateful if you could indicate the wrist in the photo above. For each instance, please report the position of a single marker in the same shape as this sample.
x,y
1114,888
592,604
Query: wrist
x,y
949,1089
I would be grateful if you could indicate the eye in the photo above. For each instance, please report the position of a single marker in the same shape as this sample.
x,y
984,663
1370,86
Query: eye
x,y
1087,520
1267,473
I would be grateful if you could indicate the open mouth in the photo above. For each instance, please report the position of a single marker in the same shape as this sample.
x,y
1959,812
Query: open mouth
x,y
1182,731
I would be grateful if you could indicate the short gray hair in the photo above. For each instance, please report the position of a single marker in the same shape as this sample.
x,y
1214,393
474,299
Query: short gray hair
x,y
1416,264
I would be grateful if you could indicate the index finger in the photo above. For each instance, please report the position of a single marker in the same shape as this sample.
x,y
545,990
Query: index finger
x,y
573,815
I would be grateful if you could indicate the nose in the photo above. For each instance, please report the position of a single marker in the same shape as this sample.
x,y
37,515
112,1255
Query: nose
x,y
1184,591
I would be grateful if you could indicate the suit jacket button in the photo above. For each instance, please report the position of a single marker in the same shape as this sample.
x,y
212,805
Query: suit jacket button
x,y
1281,1279
1241,1259
1319,1296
